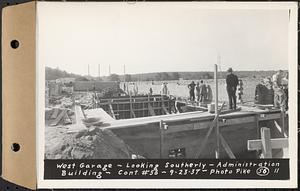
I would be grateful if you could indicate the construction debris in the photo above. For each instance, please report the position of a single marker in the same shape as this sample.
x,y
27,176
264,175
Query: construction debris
x,y
59,116
92,143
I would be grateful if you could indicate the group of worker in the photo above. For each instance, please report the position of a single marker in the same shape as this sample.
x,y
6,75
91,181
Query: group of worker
x,y
280,87
279,84
234,87
203,91
131,91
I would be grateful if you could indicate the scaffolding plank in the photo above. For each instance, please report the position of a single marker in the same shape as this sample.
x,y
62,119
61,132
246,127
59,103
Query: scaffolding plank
x,y
277,143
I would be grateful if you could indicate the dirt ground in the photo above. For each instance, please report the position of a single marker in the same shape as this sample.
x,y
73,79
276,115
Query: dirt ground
x,y
92,143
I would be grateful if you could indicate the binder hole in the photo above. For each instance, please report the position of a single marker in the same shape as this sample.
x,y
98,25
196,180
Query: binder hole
x,y
14,44
15,147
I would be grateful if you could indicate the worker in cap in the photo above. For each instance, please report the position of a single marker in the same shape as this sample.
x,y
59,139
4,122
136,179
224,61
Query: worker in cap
x,y
231,85
191,87
279,94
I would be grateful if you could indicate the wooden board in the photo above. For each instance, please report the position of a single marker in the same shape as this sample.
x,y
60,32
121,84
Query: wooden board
x,y
59,117
277,143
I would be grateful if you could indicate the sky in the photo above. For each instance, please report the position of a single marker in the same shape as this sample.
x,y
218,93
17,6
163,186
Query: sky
x,y
153,37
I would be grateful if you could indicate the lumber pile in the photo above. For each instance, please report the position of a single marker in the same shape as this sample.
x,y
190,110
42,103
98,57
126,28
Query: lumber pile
x,y
58,116
86,100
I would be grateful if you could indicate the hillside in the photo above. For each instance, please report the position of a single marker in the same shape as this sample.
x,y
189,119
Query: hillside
x,y
55,73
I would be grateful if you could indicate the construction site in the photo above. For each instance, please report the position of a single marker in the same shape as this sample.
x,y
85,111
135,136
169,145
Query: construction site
x,y
98,120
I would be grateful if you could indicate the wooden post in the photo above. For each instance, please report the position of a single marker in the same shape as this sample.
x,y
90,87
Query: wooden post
x,y
132,114
111,110
150,108
162,102
283,120
266,142
216,112
162,127
210,128
257,132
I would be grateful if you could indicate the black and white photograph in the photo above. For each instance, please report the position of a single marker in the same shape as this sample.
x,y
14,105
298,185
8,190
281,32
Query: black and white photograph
x,y
167,81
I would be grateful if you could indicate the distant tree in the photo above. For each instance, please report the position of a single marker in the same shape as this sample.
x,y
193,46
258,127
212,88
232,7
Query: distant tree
x,y
81,79
207,75
127,77
114,77
175,76
165,76
158,76
149,79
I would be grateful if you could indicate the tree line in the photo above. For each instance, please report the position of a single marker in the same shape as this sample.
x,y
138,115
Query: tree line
x,y
52,74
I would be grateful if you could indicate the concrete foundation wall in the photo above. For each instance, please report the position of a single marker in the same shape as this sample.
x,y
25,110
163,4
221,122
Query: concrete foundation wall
x,y
146,140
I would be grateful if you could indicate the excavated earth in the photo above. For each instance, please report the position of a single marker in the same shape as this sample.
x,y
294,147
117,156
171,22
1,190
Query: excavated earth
x,y
92,143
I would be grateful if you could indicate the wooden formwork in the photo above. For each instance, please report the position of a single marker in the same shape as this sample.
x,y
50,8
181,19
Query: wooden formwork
x,y
126,107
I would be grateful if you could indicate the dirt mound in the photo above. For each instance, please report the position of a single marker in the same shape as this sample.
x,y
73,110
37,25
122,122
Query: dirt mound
x,y
93,143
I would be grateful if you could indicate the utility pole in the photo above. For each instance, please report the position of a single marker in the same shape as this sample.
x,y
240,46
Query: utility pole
x,y
99,71
109,70
217,152
124,71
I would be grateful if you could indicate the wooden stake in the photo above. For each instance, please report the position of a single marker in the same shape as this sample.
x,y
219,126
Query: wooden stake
x,y
266,142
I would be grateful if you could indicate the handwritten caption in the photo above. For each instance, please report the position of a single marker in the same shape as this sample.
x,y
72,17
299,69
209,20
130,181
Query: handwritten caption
x,y
185,169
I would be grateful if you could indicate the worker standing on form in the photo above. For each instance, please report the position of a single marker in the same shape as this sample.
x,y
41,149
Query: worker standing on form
x,y
279,95
191,87
164,89
231,82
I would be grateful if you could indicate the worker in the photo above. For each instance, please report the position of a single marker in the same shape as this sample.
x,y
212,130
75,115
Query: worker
x,y
279,95
191,87
124,86
209,93
231,82
285,83
150,91
135,89
198,91
164,89
201,91
240,91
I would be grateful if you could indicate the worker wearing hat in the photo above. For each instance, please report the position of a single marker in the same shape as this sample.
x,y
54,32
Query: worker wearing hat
x,y
231,82
191,87
279,94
